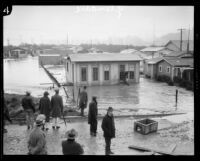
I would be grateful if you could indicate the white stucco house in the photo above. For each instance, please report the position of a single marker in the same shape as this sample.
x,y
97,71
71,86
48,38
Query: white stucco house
x,y
101,68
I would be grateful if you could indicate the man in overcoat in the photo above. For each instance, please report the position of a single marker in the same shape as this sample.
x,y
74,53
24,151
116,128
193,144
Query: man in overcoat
x,y
108,127
45,107
83,100
37,138
29,108
56,107
92,116
70,146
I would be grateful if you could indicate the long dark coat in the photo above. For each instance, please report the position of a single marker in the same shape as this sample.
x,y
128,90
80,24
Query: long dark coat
x,y
83,100
93,112
27,103
71,147
56,105
108,126
45,106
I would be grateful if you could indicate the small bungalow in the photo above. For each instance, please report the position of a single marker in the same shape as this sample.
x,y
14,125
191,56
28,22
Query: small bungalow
x,y
101,68
175,45
169,66
154,52
18,53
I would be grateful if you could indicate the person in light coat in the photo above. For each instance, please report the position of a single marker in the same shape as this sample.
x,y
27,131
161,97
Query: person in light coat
x,y
37,138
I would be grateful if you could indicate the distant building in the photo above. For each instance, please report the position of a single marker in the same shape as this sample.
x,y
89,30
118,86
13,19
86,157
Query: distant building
x,y
50,59
101,68
17,53
169,66
180,54
175,45
154,52
136,52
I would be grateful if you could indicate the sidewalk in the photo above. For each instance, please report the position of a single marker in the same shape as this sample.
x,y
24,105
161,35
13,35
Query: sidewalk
x,y
15,141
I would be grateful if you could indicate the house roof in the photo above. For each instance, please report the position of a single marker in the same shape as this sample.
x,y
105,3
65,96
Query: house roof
x,y
49,55
180,62
154,60
153,49
128,51
175,53
184,44
91,57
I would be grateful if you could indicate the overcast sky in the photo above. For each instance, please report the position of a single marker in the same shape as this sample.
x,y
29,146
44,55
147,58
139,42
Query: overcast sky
x,y
52,24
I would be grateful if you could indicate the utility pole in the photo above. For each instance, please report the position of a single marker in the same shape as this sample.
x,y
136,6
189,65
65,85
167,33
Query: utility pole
x,y
188,44
8,41
181,38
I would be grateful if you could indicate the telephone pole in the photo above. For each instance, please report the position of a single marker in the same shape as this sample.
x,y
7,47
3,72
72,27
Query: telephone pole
x,y
188,45
181,38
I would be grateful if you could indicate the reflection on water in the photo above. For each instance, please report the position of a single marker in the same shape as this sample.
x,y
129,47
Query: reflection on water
x,y
20,75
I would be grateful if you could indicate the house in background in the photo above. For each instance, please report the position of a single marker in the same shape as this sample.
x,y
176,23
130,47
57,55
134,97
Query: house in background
x,y
175,45
169,66
150,67
17,53
154,52
180,54
138,53
175,67
101,68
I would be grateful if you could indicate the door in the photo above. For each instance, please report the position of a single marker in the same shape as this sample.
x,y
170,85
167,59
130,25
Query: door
x,y
121,72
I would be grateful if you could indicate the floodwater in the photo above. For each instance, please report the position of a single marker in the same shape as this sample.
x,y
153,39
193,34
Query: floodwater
x,y
147,97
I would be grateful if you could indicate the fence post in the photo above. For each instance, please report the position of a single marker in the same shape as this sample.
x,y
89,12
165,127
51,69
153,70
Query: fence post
x,y
176,97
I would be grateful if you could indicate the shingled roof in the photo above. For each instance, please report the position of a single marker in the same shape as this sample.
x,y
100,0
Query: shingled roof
x,y
184,44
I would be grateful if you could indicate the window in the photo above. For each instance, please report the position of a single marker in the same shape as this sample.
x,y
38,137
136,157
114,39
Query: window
x,y
106,72
168,69
83,74
106,75
131,74
95,74
160,68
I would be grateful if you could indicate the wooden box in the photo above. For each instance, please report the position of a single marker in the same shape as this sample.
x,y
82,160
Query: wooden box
x,y
145,126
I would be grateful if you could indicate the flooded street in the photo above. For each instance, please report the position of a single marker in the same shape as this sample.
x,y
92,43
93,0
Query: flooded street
x,y
145,97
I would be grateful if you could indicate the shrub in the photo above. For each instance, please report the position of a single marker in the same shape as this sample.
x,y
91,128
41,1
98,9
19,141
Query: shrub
x,y
170,83
177,79
163,78
189,86
183,83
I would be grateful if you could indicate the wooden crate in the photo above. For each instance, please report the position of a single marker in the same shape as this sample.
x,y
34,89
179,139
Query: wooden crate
x,y
145,126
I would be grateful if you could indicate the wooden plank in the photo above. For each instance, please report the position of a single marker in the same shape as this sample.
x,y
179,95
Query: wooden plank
x,y
152,150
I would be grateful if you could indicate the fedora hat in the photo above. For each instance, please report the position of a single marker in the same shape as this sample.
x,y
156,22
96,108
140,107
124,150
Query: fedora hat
x,y
56,89
110,109
40,119
71,134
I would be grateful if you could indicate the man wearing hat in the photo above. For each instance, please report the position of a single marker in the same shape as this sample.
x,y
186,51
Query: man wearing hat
x,y
45,107
37,140
108,127
70,146
28,106
92,116
56,107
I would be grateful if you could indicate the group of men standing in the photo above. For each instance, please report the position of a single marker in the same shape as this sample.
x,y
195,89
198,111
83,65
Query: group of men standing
x,y
46,106
54,107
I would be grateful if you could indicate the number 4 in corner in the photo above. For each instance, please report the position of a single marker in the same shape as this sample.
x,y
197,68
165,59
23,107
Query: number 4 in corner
x,y
7,10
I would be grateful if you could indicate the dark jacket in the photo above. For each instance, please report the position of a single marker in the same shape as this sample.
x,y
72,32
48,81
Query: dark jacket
x,y
71,147
37,142
27,103
93,112
108,126
6,112
56,105
45,105
83,99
